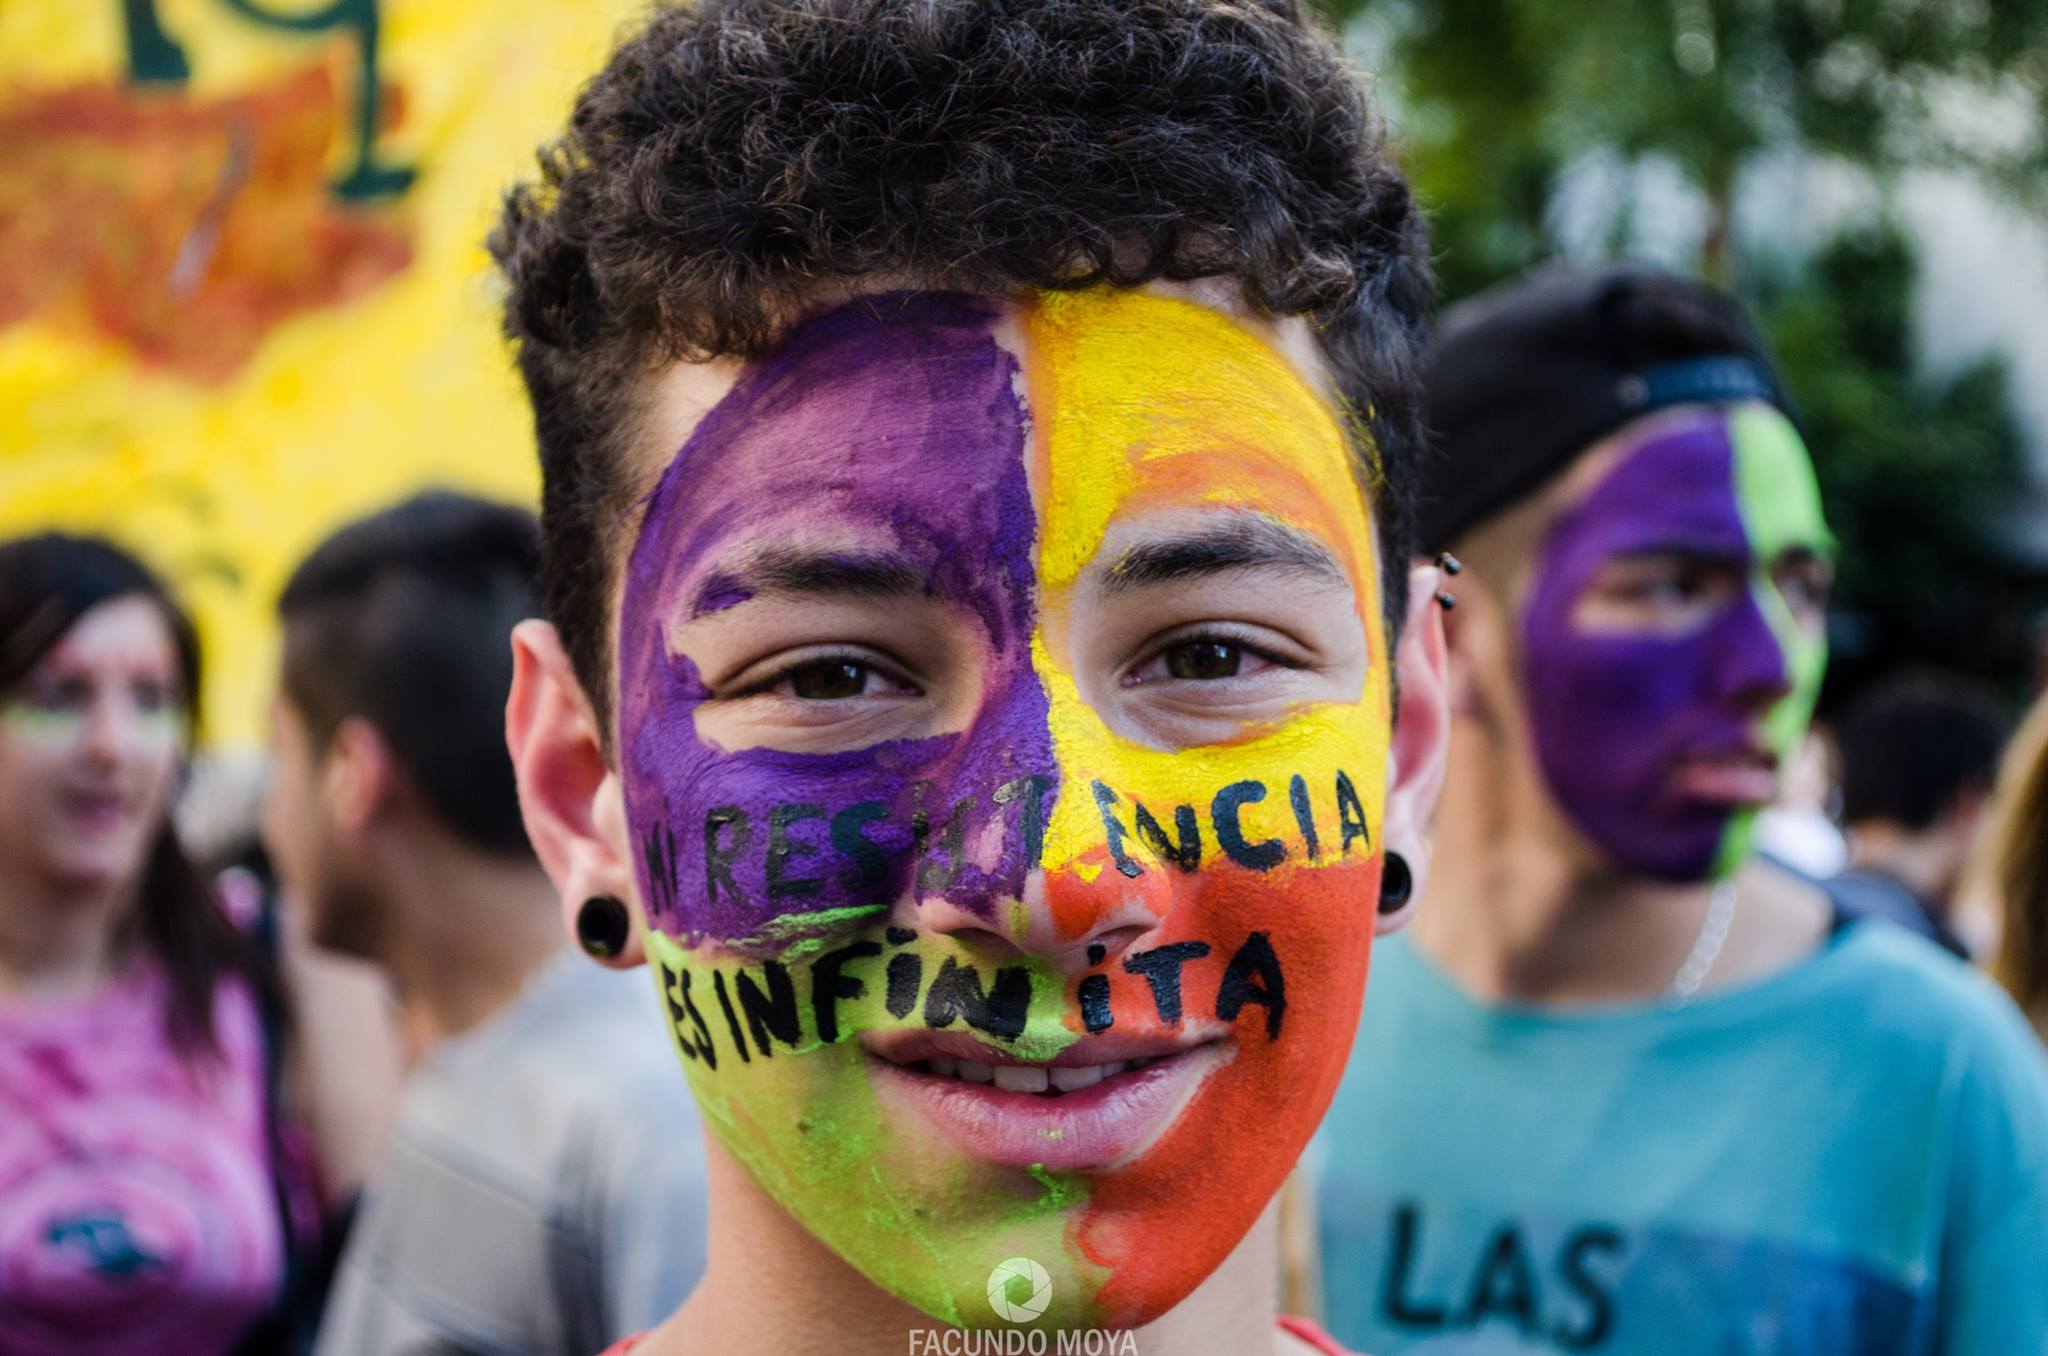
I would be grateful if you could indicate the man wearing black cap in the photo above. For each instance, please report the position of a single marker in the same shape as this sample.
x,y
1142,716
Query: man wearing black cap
x,y
1654,1097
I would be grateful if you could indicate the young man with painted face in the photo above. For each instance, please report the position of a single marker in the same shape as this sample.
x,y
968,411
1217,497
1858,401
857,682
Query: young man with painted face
x,y
976,441
1655,1098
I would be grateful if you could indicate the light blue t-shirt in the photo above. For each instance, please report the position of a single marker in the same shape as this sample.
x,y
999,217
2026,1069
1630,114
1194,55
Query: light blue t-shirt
x,y
1848,1158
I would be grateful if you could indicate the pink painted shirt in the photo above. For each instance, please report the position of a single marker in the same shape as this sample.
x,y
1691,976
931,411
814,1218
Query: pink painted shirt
x,y
137,1210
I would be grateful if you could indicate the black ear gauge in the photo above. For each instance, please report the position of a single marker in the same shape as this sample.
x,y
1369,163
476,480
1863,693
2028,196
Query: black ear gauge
x,y
603,925
1448,563
1396,883
1446,601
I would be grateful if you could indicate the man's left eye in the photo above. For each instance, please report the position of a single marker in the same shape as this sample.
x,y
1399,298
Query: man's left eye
x,y
1805,585
1204,660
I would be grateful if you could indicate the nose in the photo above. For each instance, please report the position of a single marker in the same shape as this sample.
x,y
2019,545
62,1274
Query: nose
x,y
1071,930
1751,670
110,730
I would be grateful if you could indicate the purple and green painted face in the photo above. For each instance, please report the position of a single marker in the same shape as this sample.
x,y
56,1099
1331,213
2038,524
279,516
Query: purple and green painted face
x,y
1672,641
1003,725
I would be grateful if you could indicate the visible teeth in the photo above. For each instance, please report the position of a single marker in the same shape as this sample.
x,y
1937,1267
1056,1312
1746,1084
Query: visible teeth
x,y
1020,1077
1073,1080
1037,1078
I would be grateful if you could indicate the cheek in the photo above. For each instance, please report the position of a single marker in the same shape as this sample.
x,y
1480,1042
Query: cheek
x,y
1208,1178
23,786
1259,864
1598,704
1133,823
156,760
1620,688
35,752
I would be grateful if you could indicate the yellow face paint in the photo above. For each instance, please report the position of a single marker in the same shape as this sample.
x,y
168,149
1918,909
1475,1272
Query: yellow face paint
x,y
1146,403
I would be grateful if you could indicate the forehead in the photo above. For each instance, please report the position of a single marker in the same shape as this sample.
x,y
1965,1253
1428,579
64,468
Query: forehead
x,y
125,633
1147,404
858,431
1716,477
884,420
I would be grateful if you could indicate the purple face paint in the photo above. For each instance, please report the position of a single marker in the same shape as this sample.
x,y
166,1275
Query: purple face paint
x,y
893,421
1614,714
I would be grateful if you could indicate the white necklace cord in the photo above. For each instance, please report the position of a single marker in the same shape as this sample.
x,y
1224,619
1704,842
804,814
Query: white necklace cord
x,y
1706,948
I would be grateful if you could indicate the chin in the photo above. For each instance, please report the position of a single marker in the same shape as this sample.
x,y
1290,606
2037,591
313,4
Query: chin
x,y
922,1218
1702,843
1132,1193
93,868
1107,1267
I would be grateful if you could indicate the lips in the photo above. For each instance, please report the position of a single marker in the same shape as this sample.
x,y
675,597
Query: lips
x,y
1099,1101
95,810
1741,778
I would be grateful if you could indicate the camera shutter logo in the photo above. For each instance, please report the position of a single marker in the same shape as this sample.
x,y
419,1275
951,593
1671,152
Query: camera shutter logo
x,y
1019,1290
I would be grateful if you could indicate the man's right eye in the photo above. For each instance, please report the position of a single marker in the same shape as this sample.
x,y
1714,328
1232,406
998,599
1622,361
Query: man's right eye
x,y
830,680
63,694
1668,583
837,679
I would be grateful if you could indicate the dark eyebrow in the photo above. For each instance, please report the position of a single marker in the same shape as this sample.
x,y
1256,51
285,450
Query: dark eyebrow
x,y
1705,554
1691,553
1243,541
784,570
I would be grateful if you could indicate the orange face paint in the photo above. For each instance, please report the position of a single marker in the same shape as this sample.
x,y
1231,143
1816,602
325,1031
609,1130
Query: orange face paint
x,y
1144,405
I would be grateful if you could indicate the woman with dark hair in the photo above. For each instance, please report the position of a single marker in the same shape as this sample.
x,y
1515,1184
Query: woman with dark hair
x,y
145,1190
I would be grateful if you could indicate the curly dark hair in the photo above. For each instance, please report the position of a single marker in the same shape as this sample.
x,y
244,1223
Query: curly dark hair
x,y
735,154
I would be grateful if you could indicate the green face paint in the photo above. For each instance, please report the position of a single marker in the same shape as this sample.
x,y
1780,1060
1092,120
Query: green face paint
x,y
42,724
1780,503
1779,499
770,1052
56,719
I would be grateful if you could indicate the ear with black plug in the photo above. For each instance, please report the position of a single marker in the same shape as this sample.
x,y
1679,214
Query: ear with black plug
x,y
1421,744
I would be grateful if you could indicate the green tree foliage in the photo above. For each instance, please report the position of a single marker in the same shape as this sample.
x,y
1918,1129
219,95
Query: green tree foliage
x,y
1917,473
1493,100
1496,97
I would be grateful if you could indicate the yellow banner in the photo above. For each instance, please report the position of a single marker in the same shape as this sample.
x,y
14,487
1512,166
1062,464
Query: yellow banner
x,y
243,293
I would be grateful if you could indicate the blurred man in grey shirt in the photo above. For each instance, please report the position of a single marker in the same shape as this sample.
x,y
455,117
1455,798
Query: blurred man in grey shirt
x,y
542,1190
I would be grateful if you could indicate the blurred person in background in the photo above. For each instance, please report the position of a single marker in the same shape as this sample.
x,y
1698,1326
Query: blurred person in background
x,y
1918,755
2013,865
1655,1097
152,1197
542,1144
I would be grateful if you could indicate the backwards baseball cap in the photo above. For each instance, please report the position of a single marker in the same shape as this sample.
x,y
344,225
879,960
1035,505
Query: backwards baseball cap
x,y
1523,378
